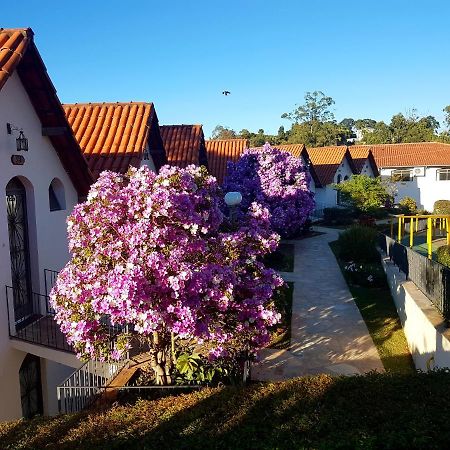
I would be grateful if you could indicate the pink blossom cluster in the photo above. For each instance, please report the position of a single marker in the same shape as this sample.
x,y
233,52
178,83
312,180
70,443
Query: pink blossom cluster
x,y
276,180
150,251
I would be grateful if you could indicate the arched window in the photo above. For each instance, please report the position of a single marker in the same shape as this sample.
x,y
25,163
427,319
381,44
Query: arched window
x,y
346,178
339,179
56,196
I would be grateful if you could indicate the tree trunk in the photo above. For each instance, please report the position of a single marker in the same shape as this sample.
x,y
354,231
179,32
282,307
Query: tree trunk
x,y
161,361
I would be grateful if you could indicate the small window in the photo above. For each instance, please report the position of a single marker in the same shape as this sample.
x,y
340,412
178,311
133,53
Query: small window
x,y
443,174
146,156
346,178
56,196
401,175
339,179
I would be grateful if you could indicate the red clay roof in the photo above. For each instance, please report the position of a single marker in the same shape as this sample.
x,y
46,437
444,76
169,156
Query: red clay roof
x,y
360,154
18,52
326,161
184,145
114,136
222,151
13,44
410,154
295,149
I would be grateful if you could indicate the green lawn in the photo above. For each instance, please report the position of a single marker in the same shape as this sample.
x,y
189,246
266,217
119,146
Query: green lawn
x,y
379,313
374,411
282,259
281,336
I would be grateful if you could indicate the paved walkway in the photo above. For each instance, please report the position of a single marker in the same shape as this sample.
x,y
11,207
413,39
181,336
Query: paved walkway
x,y
328,332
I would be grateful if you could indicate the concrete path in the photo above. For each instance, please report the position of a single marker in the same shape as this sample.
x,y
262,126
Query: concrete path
x,y
328,332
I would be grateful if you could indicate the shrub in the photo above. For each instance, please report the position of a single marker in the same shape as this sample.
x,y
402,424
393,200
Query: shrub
x,y
338,216
365,274
443,255
364,193
442,207
358,243
408,205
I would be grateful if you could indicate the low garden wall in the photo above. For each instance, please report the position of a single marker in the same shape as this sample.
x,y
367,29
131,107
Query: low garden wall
x,y
425,329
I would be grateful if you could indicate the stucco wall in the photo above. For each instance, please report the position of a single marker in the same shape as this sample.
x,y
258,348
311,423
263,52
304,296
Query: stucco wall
x,y
367,169
425,190
428,339
47,230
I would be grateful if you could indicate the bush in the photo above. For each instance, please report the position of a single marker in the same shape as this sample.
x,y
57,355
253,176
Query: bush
x,y
365,274
338,216
443,255
407,205
358,244
364,193
442,207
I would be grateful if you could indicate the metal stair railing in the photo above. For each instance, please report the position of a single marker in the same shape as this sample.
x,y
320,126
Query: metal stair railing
x,y
80,389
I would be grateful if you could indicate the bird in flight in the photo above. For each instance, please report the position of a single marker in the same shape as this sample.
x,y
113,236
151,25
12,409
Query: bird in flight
x,y
226,93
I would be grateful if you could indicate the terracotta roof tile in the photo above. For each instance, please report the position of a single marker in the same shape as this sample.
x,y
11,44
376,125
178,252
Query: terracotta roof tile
x,y
19,53
184,144
222,151
112,136
295,149
410,154
326,161
13,44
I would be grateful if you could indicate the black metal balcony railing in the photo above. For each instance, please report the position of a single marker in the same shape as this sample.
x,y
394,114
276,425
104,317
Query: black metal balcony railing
x,y
37,324
432,278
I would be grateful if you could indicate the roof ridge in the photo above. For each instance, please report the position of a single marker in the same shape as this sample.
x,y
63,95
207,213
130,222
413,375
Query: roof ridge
x,y
131,102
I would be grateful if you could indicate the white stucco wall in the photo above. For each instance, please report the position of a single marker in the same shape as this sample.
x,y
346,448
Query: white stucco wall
x,y
428,340
148,162
326,197
367,170
47,230
424,189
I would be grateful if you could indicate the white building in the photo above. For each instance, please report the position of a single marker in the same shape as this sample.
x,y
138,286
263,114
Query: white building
x,y
41,186
419,170
331,165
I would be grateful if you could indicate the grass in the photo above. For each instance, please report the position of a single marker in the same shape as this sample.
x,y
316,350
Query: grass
x,y
374,411
281,337
282,259
380,314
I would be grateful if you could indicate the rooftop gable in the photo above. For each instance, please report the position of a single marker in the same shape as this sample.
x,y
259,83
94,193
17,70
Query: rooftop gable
x,y
18,52
184,145
114,136
326,161
360,154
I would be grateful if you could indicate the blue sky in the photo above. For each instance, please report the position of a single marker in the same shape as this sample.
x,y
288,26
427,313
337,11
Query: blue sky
x,y
374,58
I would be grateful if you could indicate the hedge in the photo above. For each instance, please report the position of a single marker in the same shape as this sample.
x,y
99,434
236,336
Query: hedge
x,y
441,207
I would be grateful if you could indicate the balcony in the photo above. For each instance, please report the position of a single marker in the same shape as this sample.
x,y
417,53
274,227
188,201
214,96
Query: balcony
x,y
31,318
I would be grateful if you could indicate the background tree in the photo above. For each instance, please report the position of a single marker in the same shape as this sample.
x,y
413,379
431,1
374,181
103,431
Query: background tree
x,y
150,251
277,181
315,109
221,132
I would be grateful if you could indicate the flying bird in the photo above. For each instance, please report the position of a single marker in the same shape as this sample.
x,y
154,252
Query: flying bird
x,y
226,93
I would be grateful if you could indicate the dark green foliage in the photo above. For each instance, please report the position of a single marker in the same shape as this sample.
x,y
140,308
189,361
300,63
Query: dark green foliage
x,y
442,207
374,411
281,334
443,255
358,244
338,216
282,259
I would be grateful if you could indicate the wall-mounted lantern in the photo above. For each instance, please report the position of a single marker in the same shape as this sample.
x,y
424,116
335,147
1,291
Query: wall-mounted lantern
x,y
21,141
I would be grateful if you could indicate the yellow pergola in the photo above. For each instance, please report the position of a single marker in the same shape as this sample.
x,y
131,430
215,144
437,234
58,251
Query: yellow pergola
x,y
434,222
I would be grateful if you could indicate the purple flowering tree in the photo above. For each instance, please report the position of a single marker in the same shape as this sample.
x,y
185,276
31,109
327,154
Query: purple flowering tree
x,y
276,180
150,252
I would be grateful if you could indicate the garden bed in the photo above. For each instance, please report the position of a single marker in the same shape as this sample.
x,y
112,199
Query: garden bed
x,y
377,308
282,259
374,411
281,335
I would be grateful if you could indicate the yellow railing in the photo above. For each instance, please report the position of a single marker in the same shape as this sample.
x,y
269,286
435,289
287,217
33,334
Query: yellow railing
x,y
434,222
